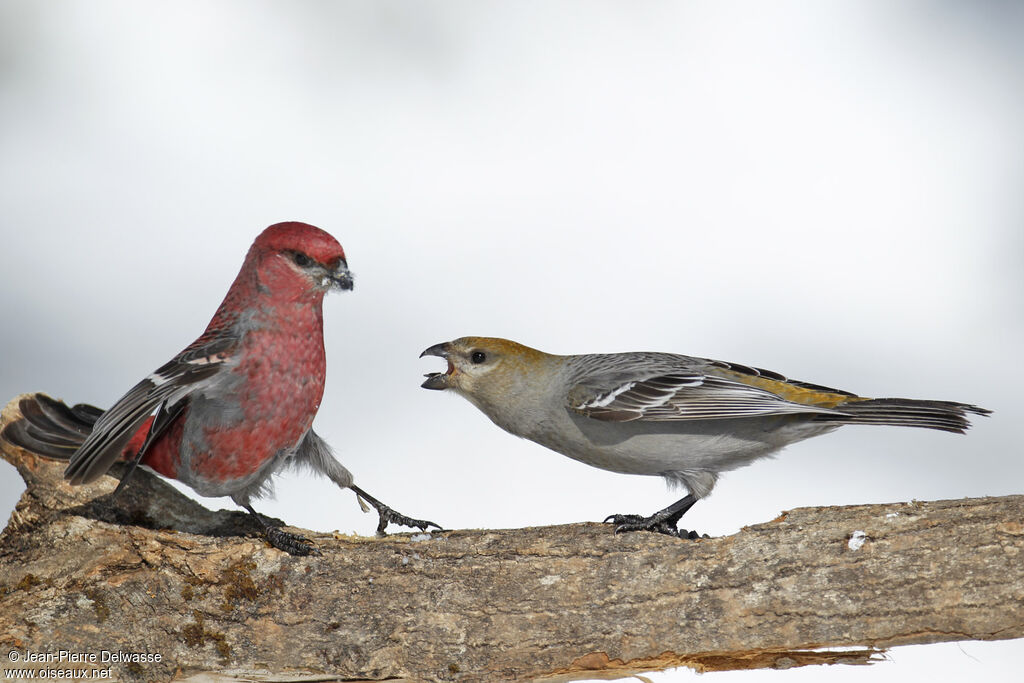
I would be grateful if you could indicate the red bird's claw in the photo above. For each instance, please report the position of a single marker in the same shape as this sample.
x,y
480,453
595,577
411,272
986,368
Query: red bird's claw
x,y
387,515
424,525
293,544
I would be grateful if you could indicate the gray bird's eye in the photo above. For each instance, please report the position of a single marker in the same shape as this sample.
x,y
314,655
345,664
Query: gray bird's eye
x,y
478,357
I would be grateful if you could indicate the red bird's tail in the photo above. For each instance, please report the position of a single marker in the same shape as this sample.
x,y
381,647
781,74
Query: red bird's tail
x,y
51,428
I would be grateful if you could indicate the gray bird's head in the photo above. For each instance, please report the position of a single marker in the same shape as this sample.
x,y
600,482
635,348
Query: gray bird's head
x,y
478,366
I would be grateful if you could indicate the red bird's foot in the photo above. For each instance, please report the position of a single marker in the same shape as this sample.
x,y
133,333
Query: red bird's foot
x,y
293,544
389,516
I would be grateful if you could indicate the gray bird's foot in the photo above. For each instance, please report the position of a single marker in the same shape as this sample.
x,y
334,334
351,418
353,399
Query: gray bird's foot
x,y
390,516
662,521
690,535
293,544
627,523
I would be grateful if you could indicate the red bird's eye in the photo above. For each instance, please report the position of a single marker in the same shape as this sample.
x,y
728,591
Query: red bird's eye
x,y
301,260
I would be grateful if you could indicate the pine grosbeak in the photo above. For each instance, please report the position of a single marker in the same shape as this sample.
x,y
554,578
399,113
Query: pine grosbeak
x,y
237,405
683,418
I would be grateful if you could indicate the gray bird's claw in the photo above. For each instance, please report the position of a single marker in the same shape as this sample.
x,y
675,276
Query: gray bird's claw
x,y
656,523
619,520
690,535
293,544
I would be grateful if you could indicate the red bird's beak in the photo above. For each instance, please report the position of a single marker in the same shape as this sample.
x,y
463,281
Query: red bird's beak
x,y
341,277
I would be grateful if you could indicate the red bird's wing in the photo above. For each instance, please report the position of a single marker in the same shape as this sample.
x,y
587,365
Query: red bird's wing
x,y
163,392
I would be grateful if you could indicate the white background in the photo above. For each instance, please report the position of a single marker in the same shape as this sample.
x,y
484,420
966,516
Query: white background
x,y
829,190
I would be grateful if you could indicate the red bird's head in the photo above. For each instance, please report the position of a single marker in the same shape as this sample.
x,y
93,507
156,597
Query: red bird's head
x,y
297,257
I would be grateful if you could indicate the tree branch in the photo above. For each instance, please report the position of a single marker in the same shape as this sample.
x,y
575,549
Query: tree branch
x,y
154,572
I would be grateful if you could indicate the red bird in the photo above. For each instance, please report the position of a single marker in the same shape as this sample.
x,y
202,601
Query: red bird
x,y
237,405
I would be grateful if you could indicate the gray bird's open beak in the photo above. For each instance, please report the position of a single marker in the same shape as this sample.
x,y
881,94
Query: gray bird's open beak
x,y
437,380
341,277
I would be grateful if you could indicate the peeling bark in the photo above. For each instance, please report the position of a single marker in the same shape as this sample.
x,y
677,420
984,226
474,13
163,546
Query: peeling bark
x,y
154,572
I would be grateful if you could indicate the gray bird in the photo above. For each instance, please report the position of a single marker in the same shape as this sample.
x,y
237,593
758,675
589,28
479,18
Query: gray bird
x,y
682,418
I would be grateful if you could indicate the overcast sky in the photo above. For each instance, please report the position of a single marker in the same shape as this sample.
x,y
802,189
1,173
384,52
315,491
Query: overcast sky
x,y
828,190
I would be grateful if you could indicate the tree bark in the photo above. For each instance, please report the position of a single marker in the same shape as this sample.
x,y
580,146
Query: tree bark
x,y
155,573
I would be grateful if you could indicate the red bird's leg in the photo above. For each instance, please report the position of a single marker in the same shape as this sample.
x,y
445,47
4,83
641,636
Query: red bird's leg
x,y
293,544
387,515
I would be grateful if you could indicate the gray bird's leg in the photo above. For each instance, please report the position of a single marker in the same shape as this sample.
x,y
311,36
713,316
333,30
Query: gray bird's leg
x,y
293,544
387,515
662,521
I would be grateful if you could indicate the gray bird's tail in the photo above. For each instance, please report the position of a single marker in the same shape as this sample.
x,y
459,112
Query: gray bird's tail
x,y
51,428
905,412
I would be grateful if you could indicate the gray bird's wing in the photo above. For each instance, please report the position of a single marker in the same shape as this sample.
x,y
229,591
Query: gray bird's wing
x,y
663,387
161,393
